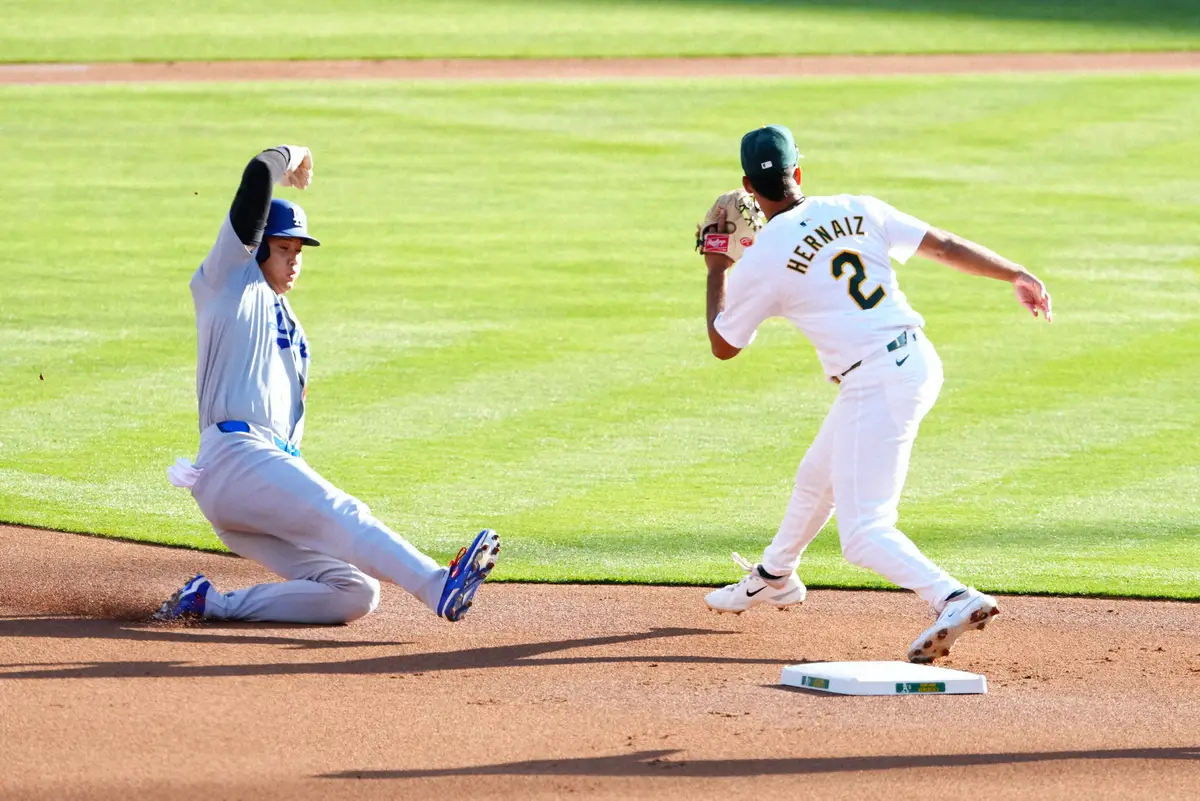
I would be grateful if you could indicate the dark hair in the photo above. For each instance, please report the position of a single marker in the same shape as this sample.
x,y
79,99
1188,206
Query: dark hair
x,y
772,187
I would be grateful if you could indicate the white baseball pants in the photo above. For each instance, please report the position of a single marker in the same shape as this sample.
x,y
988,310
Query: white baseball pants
x,y
858,463
276,510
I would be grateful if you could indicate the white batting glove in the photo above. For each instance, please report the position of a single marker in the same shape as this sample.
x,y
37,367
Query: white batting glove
x,y
300,167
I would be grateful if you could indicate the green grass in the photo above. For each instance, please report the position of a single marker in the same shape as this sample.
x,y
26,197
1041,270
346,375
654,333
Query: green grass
x,y
119,30
506,317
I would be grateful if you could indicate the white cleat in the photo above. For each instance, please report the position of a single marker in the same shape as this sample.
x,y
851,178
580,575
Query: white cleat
x,y
753,590
971,610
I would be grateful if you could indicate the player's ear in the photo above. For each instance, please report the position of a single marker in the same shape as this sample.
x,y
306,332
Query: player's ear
x,y
264,251
799,176
746,185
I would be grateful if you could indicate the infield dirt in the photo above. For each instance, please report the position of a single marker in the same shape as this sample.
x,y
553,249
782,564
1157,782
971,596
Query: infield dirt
x,y
594,68
552,690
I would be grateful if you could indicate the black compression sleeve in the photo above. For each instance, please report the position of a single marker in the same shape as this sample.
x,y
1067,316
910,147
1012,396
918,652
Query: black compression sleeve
x,y
248,214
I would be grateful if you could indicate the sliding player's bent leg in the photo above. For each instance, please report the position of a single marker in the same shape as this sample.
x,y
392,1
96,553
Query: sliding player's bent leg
x,y
319,589
250,486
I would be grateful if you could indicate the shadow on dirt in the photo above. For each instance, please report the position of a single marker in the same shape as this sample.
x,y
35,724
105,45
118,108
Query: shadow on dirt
x,y
656,763
58,627
503,656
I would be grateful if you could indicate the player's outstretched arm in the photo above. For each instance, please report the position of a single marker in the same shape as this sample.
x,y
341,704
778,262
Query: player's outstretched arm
x,y
242,232
974,259
287,165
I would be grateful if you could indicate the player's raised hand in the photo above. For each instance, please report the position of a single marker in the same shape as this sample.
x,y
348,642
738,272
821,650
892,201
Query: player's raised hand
x,y
729,226
300,168
1032,294
303,174
719,261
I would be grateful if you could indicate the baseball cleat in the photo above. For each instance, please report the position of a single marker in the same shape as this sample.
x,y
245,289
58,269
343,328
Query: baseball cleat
x,y
971,610
188,601
755,589
467,572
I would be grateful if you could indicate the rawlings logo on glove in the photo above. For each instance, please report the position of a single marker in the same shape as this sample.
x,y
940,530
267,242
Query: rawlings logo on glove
x,y
715,243
739,215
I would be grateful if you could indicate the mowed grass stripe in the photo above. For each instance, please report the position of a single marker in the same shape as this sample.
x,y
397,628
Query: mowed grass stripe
x,y
994,493
1071,407
59,30
507,329
479,406
1002,437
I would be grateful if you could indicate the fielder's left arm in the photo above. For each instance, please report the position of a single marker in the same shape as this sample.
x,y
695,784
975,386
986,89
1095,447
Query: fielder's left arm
x,y
728,228
718,264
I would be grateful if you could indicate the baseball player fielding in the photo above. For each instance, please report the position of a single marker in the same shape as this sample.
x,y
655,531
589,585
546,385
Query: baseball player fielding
x,y
825,264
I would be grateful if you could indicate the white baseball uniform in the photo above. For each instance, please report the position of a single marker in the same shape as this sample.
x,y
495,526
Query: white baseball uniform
x,y
825,266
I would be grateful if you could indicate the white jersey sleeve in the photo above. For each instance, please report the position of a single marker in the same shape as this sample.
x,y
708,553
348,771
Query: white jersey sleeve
x,y
749,301
903,232
826,266
228,253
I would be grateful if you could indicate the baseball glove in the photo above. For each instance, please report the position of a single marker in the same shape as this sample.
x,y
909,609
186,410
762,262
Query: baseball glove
x,y
730,225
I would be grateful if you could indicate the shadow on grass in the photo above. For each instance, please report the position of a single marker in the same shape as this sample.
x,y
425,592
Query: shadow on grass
x,y
1171,14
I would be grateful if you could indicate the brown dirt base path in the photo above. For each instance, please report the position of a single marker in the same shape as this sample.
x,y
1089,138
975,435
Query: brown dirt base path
x,y
555,691
586,68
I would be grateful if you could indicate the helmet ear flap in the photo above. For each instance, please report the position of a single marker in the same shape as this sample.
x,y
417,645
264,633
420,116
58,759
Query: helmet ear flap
x,y
263,252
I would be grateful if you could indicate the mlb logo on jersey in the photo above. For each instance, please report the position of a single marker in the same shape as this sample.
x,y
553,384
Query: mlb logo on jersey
x,y
716,243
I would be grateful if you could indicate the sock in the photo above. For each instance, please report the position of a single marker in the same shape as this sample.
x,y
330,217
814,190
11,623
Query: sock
x,y
768,576
954,595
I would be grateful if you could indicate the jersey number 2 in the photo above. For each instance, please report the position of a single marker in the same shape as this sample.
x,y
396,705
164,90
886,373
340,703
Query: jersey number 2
x,y
848,258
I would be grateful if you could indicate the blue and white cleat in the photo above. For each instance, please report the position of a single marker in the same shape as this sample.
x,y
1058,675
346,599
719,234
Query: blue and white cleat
x,y
467,572
188,601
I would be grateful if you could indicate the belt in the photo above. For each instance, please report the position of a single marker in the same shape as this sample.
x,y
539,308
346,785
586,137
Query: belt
x,y
895,344
232,426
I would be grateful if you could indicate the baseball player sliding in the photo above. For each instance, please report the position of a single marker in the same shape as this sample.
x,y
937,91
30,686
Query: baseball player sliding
x,y
263,500
824,264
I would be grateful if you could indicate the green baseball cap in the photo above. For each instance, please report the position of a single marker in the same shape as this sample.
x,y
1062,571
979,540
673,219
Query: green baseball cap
x,y
769,151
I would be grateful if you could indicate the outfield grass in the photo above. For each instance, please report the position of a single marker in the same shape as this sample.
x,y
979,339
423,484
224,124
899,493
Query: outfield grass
x,y
120,30
506,317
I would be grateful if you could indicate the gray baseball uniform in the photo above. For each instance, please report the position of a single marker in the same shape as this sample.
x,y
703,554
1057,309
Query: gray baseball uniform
x,y
253,357
263,500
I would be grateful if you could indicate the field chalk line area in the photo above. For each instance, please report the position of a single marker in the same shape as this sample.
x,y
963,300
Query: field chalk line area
x,y
553,69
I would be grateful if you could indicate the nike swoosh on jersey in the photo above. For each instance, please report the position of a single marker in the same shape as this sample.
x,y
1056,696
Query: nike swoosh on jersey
x,y
902,361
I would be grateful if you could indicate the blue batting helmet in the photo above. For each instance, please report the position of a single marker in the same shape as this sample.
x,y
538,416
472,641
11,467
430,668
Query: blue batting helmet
x,y
287,219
